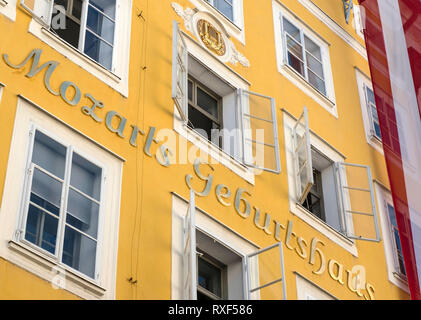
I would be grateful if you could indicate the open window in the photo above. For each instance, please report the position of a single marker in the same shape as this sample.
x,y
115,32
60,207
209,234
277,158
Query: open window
x,y
340,194
240,122
87,25
213,270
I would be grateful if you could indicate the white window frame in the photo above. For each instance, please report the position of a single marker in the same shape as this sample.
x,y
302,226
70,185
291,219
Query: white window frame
x,y
327,101
211,227
308,290
34,259
384,197
118,77
236,81
333,155
234,28
358,22
364,81
240,101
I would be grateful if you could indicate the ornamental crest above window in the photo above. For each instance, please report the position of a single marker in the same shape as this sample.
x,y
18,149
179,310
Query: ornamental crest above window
x,y
211,34
211,37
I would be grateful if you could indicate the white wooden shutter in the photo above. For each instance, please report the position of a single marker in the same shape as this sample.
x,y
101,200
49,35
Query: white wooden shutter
x,y
302,157
262,268
39,9
259,131
369,111
358,19
179,72
189,252
284,41
357,201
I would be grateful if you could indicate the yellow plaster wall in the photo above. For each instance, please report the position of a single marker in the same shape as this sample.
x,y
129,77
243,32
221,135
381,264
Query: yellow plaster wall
x,y
145,218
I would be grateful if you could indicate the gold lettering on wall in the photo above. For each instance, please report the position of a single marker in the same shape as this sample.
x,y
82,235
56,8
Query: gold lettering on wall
x,y
313,251
336,270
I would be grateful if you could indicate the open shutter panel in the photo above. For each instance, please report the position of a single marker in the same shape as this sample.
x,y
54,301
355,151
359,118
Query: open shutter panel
x,y
302,156
358,18
284,42
179,72
189,252
265,271
357,202
369,111
39,9
259,131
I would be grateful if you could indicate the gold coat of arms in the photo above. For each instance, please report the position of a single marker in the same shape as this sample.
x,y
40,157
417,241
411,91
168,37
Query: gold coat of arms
x,y
211,37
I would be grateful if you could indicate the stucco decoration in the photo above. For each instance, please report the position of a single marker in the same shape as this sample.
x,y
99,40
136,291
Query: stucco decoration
x,y
194,18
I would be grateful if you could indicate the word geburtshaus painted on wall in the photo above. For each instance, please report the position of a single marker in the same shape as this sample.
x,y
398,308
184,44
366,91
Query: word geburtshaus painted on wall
x,y
117,124
355,278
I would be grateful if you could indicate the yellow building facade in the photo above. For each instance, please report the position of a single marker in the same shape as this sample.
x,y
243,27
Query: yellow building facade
x,y
113,111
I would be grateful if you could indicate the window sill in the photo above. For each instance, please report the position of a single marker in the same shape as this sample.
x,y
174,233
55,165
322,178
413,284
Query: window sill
x,y
219,155
324,228
376,143
83,56
42,266
116,81
292,75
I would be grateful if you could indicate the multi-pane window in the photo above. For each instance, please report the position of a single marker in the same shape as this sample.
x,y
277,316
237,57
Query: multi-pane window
x,y
396,240
204,111
239,122
341,194
62,206
89,27
211,278
304,55
226,7
372,112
